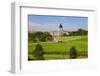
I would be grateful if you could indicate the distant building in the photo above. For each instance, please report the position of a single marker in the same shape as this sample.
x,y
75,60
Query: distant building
x,y
59,32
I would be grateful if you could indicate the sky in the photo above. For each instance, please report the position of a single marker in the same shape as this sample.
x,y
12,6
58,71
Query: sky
x,y
51,23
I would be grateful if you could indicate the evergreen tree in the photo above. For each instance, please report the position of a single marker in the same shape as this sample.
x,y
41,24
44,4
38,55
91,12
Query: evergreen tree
x,y
73,53
38,52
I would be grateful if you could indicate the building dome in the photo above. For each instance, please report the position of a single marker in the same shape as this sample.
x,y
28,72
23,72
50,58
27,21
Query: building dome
x,y
60,26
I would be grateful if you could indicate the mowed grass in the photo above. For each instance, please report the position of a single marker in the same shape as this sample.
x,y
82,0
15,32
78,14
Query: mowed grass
x,y
79,42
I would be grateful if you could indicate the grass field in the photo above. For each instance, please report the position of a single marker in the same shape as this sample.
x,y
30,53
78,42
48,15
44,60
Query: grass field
x,y
56,50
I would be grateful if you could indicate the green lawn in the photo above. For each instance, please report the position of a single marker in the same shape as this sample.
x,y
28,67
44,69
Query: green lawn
x,y
79,42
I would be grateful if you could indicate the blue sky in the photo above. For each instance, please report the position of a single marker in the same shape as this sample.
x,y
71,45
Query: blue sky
x,y
51,23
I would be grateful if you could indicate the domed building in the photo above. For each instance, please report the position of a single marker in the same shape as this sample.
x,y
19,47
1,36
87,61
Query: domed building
x,y
59,32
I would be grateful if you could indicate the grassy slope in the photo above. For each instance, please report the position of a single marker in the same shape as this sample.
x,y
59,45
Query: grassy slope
x,y
80,42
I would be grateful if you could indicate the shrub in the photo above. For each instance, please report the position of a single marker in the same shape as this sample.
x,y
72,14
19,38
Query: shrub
x,y
38,52
73,53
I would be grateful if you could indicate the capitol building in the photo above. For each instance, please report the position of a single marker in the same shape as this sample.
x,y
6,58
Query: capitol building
x,y
59,32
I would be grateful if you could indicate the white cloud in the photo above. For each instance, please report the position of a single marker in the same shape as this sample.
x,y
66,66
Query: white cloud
x,y
51,27
42,27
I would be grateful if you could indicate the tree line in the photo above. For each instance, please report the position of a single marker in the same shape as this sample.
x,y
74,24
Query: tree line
x,y
79,32
46,36
39,36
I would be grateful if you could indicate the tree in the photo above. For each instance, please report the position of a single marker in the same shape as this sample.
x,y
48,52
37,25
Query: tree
x,y
39,37
47,36
78,32
38,52
73,53
82,32
64,34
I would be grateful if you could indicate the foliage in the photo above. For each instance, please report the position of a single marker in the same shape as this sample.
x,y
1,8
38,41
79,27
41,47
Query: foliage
x,y
55,50
73,53
39,37
64,34
79,32
38,52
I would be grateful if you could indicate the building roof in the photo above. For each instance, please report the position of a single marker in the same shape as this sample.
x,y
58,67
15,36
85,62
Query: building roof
x,y
60,26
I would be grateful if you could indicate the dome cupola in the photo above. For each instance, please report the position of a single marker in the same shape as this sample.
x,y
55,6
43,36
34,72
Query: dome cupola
x,y
60,26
